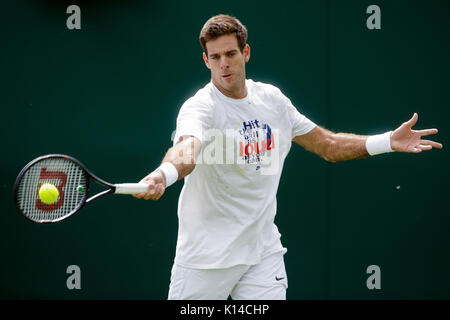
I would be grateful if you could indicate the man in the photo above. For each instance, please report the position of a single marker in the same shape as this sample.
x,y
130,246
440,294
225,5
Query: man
x,y
228,244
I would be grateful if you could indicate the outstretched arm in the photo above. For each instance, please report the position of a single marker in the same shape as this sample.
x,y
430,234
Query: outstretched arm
x,y
336,147
332,146
182,156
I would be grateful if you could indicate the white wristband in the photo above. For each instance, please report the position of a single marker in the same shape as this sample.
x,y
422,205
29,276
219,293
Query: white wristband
x,y
170,172
380,143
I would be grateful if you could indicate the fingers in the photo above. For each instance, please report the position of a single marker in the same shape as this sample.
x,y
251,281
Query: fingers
x,y
150,190
426,132
425,145
413,120
138,195
156,182
431,144
155,192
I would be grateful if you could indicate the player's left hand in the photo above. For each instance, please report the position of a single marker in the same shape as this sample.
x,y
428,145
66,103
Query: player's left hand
x,y
405,139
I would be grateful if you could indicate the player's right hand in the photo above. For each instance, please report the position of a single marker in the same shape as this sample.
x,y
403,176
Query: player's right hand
x,y
156,186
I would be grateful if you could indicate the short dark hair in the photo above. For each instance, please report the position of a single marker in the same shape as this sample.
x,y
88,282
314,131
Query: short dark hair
x,y
220,25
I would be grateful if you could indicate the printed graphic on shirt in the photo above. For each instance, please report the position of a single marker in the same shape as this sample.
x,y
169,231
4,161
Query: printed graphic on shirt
x,y
252,146
256,140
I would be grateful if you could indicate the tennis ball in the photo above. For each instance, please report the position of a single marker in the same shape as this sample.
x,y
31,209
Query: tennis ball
x,y
48,193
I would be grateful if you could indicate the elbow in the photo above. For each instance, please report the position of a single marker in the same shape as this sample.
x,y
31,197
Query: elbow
x,y
185,166
329,159
188,168
188,163
329,153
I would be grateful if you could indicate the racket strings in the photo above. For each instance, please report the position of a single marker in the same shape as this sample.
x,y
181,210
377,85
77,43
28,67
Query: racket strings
x,y
67,176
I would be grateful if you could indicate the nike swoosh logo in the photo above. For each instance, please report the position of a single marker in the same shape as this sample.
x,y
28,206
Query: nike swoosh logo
x,y
278,279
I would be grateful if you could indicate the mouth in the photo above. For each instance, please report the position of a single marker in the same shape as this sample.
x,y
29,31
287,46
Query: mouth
x,y
226,76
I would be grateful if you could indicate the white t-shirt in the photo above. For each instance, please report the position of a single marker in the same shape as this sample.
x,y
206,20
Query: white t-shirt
x,y
227,206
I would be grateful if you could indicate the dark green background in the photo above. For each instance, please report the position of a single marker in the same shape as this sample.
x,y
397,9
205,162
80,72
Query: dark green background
x,y
108,94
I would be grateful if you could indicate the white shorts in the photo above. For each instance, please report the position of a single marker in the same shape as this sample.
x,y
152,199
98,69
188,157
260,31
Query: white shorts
x,y
266,280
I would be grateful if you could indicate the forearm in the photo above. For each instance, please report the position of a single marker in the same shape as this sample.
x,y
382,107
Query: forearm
x,y
183,156
346,146
178,162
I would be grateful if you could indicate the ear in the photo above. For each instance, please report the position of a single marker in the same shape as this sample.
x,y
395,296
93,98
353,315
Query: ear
x,y
246,53
205,58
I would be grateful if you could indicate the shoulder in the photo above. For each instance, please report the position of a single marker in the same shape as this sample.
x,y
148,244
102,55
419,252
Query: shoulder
x,y
266,90
271,95
198,107
203,98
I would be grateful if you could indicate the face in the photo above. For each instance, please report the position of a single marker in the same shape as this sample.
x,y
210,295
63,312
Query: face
x,y
227,65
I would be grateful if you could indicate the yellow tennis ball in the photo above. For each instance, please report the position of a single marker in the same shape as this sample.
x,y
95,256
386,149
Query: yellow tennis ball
x,y
48,193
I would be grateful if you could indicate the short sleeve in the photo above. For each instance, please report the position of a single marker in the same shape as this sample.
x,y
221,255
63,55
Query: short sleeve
x,y
194,118
299,123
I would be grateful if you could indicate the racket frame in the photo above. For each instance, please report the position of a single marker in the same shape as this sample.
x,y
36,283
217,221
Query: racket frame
x,y
85,198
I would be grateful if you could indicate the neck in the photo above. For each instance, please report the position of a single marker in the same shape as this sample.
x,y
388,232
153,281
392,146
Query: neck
x,y
239,93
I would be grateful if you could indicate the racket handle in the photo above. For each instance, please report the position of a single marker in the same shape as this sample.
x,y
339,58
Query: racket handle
x,y
131,188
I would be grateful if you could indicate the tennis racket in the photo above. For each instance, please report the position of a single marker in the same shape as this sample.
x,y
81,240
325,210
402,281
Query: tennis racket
x,y
71,178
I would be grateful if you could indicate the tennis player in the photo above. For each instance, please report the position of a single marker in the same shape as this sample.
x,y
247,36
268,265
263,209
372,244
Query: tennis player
x,y
228,244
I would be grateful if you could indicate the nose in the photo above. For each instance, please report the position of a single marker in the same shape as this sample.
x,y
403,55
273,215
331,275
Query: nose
x,y
224,62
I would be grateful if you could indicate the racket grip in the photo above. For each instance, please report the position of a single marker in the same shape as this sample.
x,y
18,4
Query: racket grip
x,y
131,188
